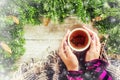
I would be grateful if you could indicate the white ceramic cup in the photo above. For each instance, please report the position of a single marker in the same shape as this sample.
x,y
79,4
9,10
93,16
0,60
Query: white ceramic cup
x,y
79,39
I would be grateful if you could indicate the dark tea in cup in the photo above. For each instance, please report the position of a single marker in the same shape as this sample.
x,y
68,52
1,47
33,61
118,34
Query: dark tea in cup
x,y
79,39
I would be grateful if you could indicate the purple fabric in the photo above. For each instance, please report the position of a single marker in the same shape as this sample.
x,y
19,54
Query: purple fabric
x,y
95,66
76,72
74,75
110,78
101,77
90,67
98,69
74,78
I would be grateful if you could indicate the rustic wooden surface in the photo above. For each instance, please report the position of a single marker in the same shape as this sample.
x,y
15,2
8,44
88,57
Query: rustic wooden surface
x,y
40,39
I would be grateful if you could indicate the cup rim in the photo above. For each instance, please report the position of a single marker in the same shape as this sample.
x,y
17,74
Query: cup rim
x,y
89,39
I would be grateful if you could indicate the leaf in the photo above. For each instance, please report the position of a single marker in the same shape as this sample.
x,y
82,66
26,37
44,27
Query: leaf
x,y
5,47
96,19
15,19
46,21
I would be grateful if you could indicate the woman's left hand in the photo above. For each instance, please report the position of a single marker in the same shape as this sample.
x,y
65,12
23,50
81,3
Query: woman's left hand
x,y
67,56
95,46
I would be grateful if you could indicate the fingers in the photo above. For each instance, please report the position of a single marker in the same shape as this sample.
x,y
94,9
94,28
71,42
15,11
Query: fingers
x,y
64,39
95,37
90,31
68,51
93,45
95,48
62,52
66,35
64,42
93,34
96,42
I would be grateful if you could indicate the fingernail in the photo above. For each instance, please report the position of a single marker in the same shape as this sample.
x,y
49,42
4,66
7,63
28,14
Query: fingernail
x,y
65,43
93,37
68,31
84,26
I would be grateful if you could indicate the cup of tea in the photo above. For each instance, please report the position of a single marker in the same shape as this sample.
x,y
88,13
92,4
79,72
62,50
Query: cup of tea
x,y
79,39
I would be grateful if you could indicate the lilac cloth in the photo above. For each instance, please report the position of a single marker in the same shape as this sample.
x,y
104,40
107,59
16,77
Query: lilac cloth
x,y
95,70
101,77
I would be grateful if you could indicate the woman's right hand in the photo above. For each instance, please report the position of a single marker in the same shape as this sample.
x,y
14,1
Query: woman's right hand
x,y
67,56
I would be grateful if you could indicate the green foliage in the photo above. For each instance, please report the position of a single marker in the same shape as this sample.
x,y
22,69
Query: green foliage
x,y
31,11
113,42
12,34
17,41
94,7
110,25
